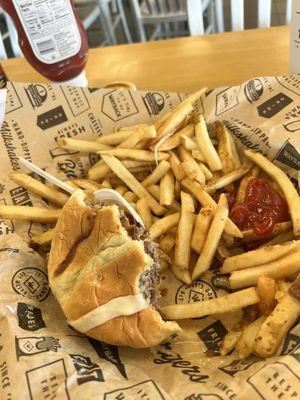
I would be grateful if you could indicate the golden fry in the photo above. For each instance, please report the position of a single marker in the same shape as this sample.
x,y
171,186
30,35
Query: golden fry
x,y
202,224
219,305
122,172
174,140
156,175
154,190
35,186
163,225
277,324
213,237
144,212
84,146
166,189
28,213
176,166
284,267
246,343
87,184
182,253
41,240
121,189
224,147
206,147
167,242
266,289
227,179
206,200
114,138
256,257
140,155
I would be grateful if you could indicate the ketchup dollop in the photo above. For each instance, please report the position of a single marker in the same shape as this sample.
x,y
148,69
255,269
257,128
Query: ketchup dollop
x,y
262,208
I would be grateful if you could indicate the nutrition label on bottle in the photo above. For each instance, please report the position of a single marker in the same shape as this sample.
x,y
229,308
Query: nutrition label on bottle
x,y
51,28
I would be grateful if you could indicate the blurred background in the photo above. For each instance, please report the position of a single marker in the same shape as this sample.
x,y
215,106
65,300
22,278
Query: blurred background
x,y
112,22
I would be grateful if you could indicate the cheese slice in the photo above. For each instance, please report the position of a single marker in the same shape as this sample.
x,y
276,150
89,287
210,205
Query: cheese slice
x,y
117,307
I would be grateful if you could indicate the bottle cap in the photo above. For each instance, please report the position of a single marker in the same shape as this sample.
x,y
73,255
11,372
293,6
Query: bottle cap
x,y
79,80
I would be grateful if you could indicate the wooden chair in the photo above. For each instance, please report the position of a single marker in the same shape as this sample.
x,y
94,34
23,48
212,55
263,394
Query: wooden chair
x,y
109,13
172,18
237,14
8,38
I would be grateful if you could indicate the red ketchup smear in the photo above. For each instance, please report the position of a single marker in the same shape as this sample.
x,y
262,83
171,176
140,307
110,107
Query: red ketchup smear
x,y
262,208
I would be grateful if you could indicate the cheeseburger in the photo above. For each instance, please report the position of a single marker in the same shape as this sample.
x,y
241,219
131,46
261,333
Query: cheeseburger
x,y
103,272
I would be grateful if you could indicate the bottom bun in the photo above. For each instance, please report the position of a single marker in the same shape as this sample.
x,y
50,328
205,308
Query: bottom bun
x,y
97,256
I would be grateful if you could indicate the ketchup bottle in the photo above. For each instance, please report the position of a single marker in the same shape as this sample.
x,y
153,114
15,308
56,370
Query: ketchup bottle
x,y
51,37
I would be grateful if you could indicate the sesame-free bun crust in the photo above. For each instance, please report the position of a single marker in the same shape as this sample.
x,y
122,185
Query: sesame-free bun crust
x,y
106,264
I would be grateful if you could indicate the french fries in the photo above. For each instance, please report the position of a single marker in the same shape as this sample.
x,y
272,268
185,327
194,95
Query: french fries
x,y
42,240
35,186
284,267
144,212
122,172
266,289
140,155
213,237
28,213
206,172
166,188
154,190
87,184
156,175
178,115
224,147
229,342
176,166
260,256
278,323
174,141
163,225
230,302
114,138
192,169
288,189
182,253
167,242
202,224
246,342
188,143
206,147
190,166
84,146
130,197
143,132
206,200
227,179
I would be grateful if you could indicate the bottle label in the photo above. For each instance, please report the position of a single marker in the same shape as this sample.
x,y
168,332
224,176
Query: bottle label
x,y
51,28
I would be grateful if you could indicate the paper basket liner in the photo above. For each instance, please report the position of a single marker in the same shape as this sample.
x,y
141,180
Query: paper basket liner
x,y
40,356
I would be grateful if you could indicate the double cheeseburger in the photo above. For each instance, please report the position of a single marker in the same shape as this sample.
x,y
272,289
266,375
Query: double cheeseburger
x,y
103,272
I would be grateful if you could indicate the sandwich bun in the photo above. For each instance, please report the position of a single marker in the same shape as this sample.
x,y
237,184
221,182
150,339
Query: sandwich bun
x,y
94,260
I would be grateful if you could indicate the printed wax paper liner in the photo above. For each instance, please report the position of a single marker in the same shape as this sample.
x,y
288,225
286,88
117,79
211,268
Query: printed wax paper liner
x,y
40,356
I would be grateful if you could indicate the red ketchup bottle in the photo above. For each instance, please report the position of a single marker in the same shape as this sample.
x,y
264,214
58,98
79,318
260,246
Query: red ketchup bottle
x,y
51,37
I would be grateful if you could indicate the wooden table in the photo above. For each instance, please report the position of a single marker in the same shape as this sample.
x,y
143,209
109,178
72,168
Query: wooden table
x,y
183,64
